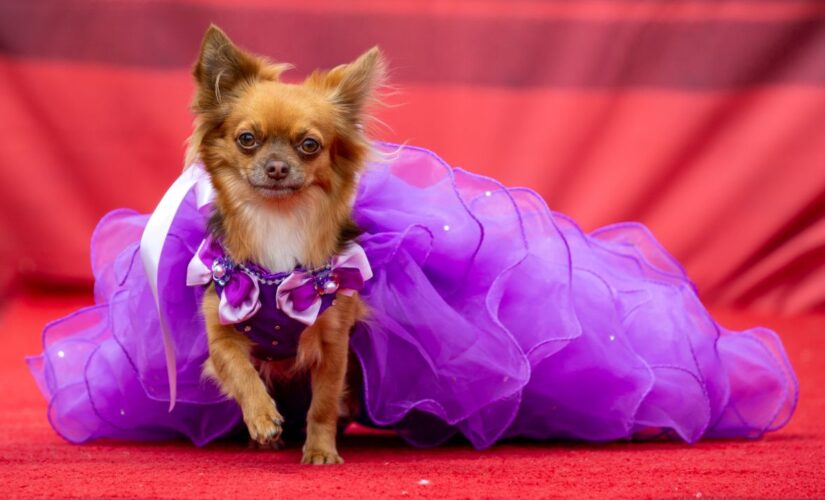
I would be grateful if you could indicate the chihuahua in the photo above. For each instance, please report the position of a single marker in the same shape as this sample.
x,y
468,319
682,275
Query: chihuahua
x,y
284,160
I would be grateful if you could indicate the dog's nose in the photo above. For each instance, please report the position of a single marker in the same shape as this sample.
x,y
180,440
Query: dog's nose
x,y
277,169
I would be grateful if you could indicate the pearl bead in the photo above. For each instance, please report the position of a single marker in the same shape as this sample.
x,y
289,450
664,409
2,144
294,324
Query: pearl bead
x,y
277,327
330,287
612,338
274,342
247,328
218,270
446,227
60,354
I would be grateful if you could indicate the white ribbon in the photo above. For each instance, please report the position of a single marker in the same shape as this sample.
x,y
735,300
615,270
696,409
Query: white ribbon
x,y
151,247
197,272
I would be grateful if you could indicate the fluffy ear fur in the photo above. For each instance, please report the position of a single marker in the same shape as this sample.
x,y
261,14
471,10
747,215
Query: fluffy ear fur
x,y
222,67
221,71
351,88
358,82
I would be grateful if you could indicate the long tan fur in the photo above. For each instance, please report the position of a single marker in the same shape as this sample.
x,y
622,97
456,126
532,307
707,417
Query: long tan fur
x,y
239,92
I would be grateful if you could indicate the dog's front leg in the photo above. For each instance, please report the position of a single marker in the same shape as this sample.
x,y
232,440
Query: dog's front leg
x,y
324,348
229,364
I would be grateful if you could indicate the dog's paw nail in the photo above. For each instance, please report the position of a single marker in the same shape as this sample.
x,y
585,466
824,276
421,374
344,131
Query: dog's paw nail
x,y
265,427
276,443
321,458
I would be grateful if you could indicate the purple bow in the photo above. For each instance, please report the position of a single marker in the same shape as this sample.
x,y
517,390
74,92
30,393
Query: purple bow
x,y
239,298
345,278
299,296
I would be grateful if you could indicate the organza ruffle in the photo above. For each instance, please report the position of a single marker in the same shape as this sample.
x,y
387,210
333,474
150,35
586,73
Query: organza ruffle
x,y
491,316
103,368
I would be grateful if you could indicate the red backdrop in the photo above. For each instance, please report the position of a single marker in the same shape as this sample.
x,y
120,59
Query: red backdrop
x,y
704,120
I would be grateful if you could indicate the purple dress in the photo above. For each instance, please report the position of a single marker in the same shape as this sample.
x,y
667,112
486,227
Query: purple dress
x,y
492,317
273,309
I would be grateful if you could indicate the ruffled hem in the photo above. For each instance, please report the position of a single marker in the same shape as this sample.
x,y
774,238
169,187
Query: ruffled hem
x,y
492,317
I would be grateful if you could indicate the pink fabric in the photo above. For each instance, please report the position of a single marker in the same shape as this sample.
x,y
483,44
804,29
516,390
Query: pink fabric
x,y
198,273
352,257
238,299
231,312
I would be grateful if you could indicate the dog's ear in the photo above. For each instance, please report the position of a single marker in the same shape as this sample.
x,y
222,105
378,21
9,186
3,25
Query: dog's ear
x,y
352,86
220,68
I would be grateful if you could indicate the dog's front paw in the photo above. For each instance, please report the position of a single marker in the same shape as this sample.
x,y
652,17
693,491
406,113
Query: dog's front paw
x,y
321,457
264,423
275,444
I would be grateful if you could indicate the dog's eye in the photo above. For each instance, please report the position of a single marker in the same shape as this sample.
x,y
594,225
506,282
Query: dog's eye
x,y
247,140
309,146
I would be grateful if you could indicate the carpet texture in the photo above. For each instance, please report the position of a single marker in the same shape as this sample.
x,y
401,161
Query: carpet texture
x,y
34,461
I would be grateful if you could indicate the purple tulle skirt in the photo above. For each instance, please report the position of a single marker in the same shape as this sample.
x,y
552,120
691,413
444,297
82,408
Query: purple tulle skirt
x,y
492,317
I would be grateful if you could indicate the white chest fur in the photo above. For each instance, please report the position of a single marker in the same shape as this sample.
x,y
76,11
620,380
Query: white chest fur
x,y
278,239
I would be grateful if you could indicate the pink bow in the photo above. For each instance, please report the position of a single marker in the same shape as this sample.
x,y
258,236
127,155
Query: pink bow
x,y
239,298
300,295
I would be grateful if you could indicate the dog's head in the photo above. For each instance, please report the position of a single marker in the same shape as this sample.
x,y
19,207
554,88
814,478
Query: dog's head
x,y
266,141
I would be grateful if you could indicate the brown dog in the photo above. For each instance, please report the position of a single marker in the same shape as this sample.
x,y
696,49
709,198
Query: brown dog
x,y
283,159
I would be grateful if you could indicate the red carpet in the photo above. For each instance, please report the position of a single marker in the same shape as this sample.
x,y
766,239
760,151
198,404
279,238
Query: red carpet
x,y
36,462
